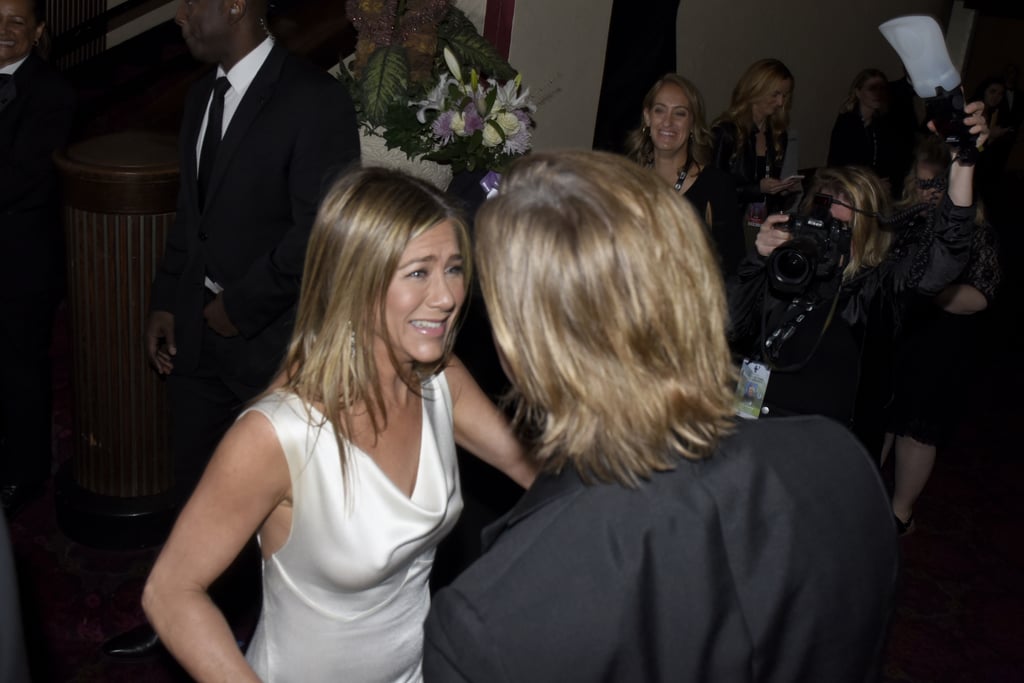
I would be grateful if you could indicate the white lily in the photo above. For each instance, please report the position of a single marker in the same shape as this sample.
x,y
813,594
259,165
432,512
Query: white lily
x,y
453,64
435,98
509,96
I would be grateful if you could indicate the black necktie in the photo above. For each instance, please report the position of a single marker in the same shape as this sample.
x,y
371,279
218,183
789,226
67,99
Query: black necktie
x,y
211,139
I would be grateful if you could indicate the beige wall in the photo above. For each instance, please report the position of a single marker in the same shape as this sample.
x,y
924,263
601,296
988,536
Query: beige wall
x,y
558,46
476,10
823,42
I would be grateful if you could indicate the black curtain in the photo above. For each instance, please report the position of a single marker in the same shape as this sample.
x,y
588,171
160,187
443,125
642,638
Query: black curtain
x,y
641,48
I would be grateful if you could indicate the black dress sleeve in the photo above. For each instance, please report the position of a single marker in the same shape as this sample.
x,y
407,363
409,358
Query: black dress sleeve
x,y
728,159
843,144
725,226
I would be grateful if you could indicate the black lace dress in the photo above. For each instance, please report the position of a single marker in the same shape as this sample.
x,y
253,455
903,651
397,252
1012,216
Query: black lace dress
x,y
937,350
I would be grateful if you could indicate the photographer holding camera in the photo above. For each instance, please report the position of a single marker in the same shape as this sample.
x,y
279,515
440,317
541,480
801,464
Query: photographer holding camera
x,y
823,280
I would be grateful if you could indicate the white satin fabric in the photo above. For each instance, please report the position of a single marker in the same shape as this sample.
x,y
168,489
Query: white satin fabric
x,y
346,596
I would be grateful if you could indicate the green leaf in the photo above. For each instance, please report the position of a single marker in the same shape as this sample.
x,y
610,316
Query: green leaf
x,y
489,102
472,49
385,82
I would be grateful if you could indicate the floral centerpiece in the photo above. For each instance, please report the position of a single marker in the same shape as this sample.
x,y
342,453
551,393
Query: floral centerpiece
x,y
426,81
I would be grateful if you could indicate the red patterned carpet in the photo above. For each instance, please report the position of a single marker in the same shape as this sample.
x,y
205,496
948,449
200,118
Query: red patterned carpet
x,y
959,618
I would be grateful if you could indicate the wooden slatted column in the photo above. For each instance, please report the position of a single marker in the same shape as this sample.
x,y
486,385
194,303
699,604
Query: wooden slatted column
x,y
119,198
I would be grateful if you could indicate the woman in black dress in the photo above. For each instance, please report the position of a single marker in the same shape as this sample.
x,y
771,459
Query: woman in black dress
x,y
750,140
862,134
935,352
674,140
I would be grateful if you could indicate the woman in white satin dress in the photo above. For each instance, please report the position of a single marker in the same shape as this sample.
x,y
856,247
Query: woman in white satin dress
x,y
346,468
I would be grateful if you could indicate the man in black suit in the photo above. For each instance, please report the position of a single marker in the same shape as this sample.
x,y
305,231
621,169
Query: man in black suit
x,y
224,297
665,539
223,300
36,113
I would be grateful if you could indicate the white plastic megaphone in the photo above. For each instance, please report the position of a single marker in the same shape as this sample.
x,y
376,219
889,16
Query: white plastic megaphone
x,y
918,40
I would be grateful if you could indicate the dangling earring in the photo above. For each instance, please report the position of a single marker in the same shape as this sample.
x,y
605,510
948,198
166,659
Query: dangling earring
x,y
263,25
645,130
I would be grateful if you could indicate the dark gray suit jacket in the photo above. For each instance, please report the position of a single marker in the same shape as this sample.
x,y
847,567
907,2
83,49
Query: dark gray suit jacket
x,y
774,560
33,125
293,131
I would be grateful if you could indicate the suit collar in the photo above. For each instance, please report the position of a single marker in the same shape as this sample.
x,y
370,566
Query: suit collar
x,y
22,74
243,73
547,489
12,68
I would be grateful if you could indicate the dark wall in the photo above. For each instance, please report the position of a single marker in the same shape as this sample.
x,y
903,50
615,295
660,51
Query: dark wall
x,y
641,48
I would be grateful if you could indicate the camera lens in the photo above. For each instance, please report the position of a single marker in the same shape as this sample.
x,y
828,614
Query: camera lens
x,y
791,265
791,268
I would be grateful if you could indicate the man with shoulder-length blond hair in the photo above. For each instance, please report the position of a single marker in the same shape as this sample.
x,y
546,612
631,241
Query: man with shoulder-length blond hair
x,y
665,540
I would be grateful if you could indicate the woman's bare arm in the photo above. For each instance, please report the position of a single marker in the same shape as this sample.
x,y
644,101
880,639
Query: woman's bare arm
x,y
245,480
483,430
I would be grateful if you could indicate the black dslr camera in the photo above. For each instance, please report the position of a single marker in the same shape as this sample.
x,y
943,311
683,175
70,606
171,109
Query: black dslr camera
x,y
818,245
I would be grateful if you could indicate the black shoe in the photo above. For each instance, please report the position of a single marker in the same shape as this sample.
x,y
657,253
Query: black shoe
x,y
904,528
13,497
137,643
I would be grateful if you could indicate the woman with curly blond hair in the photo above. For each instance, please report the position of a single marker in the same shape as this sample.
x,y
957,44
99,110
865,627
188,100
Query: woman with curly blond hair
x,y
673,138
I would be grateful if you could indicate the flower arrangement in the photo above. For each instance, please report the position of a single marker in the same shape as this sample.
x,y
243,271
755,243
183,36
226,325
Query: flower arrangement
x,y
410,85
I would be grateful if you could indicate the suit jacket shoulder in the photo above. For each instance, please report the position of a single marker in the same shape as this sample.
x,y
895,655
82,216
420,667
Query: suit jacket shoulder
x,y
774,560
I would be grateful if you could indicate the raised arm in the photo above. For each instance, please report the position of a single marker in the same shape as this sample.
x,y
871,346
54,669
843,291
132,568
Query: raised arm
x,y
949,246
961,176
244,482
483,430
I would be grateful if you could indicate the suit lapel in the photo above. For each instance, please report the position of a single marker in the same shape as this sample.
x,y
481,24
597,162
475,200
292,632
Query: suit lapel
x,y
195,108
16,92
256,96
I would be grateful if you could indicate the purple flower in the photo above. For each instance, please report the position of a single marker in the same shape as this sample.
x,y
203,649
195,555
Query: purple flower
x,y
519,143
442,127
474,121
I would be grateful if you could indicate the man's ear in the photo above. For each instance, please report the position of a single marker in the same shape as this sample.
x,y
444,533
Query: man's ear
x,y
237,9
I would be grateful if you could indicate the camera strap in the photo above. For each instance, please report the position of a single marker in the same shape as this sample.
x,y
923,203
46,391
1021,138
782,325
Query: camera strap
x,y
770,345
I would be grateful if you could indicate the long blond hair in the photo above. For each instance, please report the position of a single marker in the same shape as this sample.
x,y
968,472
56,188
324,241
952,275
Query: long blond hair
x,y
363,226
759,80
609,311
860,188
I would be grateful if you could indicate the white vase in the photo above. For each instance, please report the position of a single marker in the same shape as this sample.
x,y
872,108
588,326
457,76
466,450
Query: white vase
x,y
375,153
